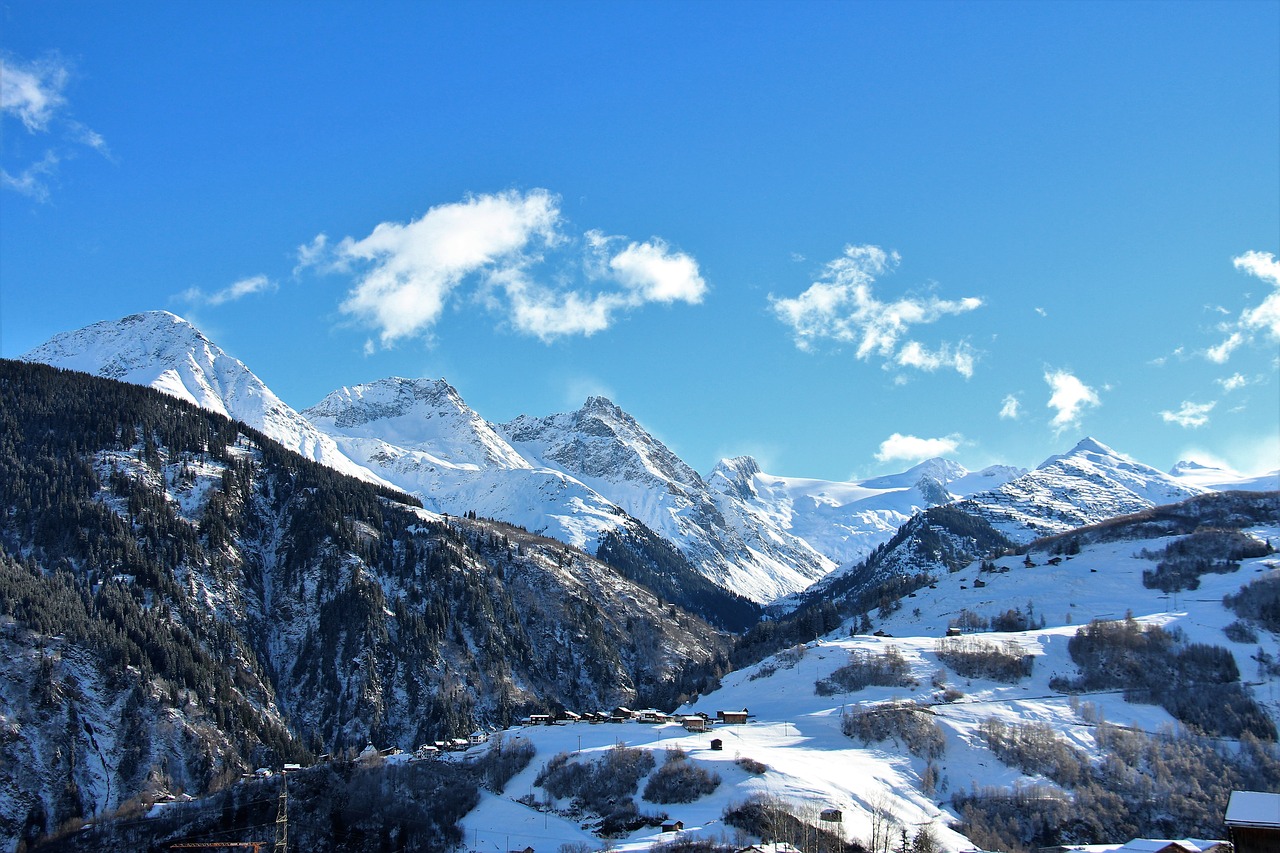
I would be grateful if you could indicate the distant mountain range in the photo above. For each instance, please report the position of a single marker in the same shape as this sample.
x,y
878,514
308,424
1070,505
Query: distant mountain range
x,y
583,476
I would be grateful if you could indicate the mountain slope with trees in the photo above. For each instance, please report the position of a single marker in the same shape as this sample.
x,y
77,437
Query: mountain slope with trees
x,y
182,599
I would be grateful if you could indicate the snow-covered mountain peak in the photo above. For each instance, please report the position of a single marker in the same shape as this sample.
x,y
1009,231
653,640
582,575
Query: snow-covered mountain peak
x,y
1189,467
155,348
162,350
1089,483
738,467
1091,449
738,475
937,468
600,441
417,414
392,397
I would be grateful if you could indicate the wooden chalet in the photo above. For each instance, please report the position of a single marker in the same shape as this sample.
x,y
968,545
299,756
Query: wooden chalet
x,y
695,723
1253,821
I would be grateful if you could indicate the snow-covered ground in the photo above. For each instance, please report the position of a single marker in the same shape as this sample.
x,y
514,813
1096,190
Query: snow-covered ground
x,y
796,732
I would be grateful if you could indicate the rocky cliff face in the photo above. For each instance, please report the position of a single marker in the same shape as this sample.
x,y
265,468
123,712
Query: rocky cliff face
x,y
605,448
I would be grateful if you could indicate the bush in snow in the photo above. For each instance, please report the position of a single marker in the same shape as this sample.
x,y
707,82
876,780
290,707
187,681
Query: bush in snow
x,y
1241,632
1260,601
1197,683
905,721
604,786
781,821
680,780
1183,561
976,659
504,760
1172,784
867,669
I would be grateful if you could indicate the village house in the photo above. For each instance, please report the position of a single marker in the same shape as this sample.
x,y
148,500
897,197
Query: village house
x,y
695,723
650,715
732,718
1253,821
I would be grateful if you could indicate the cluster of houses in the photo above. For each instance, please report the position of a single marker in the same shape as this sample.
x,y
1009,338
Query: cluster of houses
x,y
692,722
698,722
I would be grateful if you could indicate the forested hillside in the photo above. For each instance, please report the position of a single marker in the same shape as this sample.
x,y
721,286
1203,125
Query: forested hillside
x,y
183,599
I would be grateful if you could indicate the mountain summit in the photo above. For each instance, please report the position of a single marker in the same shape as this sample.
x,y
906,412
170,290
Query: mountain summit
x,y
1088,484
163,351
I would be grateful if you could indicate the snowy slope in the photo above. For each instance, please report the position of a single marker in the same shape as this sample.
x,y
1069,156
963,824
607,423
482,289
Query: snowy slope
x,y
605,448
845,521
1086,485
165,352
812,765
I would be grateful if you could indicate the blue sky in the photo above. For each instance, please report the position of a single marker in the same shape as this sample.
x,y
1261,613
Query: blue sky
x,y
838,236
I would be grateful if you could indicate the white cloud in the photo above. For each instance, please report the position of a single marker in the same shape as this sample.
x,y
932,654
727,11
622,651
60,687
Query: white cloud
x,y
32,93
1261,264
1222,352
511,249
1010,408
240,289
1189,415
1042,312
841,307
913,449
653,273
1263,318
414,268
960,357
1069,398
313,254
1233,383
32,181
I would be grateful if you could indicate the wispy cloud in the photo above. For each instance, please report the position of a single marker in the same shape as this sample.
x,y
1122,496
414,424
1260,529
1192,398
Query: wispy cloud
x,y
33,181
1189,415
1265,316
32,93
240,289
1010,408
1221,353
1233,382
312,255
511,251
841,307
1261,319
959,357
1069,398
910,448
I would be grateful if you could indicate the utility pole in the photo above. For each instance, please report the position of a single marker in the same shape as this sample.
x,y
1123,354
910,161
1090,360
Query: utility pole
x,y
282,816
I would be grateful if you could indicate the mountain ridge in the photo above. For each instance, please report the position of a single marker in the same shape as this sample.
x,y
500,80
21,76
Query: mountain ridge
x,y
588,474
